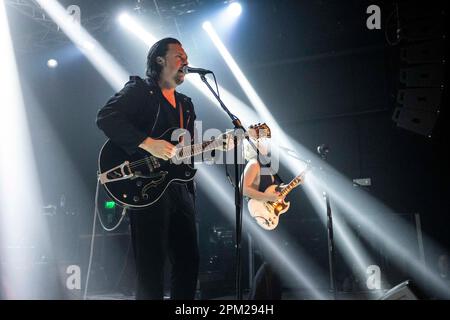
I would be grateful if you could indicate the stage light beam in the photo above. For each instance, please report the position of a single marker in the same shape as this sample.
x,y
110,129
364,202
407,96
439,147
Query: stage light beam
x,y
134,27
103,62
21,223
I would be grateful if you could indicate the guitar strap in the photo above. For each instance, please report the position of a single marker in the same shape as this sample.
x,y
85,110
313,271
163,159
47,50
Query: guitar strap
x,y
180,107
181,115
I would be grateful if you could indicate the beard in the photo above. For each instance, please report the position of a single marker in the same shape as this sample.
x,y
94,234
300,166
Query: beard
x,y
178,79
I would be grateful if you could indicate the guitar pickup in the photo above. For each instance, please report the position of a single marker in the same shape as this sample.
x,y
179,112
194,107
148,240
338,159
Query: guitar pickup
x,y
154,162
116,174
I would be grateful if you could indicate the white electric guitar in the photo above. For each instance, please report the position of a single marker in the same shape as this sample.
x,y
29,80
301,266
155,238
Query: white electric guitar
x,y
267,213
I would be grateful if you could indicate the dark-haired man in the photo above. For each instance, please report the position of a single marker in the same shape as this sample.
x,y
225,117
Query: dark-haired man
x,y
146,108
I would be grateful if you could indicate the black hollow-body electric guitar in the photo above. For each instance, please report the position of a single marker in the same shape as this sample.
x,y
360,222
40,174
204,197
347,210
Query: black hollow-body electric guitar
x,y
139,180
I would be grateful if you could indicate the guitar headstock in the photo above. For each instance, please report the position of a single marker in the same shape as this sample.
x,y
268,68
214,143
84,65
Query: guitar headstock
x,y
259,130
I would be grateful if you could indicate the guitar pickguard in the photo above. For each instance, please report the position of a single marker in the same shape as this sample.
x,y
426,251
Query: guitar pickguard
x,y
269,208
267,214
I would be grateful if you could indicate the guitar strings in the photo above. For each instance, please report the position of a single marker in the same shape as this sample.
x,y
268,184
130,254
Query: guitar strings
x,y
145,160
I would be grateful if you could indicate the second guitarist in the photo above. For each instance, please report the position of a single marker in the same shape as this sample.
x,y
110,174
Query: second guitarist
x,y
267,282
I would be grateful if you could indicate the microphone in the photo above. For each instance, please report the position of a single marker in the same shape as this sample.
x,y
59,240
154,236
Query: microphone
x,y
187,69
323,149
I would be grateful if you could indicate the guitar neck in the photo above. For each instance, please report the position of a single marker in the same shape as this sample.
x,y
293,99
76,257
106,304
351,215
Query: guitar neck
x,y
294,183
199,148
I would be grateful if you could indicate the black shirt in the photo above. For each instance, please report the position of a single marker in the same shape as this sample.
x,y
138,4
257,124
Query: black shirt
x,y
139,111
265,180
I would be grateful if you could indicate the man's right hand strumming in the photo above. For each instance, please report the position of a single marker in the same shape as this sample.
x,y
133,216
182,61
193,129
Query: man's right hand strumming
x,y
159,148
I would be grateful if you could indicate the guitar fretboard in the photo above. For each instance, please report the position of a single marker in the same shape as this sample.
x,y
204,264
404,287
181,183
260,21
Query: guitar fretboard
x,y
295,182
195,149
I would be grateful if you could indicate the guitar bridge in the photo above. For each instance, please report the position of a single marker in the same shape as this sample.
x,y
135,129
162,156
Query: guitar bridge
x,y
116,174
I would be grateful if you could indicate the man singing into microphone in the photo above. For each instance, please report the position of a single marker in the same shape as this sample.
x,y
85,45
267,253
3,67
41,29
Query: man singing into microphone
x,y
141,110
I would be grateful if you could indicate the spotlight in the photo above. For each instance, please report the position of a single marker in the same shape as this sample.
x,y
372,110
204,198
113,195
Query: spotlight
x,y
206,25
235,9
226,19
52,63
123,17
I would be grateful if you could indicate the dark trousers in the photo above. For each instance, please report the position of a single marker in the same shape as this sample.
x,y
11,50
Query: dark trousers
x,y
267,282
167,228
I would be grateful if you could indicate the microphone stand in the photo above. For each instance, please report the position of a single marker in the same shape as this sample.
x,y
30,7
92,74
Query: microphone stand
x,y
238,190
323,151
